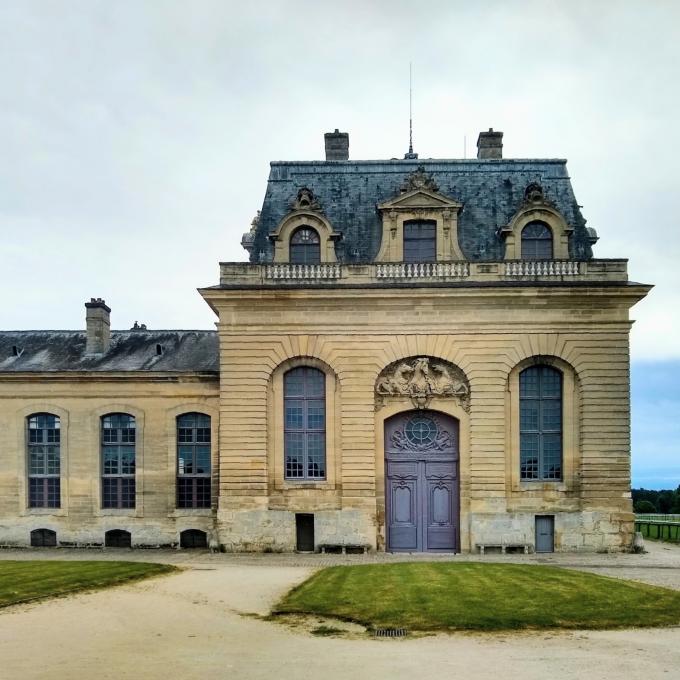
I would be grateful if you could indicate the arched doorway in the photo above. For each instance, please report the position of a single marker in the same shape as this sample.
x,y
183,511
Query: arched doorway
x,y
421,482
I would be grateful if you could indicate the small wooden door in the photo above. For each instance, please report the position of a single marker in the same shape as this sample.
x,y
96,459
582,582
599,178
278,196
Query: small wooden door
x,y
421,480
304,530
545,533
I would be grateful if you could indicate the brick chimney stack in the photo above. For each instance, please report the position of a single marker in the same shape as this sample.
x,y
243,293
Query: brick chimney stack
x,y
98,324
337,145
490,145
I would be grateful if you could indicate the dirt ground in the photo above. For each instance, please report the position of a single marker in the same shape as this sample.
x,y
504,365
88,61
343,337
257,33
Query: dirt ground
x,y
200,623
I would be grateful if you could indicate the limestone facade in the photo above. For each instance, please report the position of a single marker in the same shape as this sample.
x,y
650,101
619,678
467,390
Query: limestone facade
x,y
451,334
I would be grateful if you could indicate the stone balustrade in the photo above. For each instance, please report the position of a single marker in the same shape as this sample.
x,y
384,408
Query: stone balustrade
x,y
422,273
541,268
422,270
303,272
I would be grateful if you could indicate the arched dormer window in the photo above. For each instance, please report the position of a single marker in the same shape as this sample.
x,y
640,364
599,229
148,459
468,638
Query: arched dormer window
x,y
420,241
305,246
537,242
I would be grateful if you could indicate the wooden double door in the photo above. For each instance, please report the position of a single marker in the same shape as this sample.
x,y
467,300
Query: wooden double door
x,y
421,482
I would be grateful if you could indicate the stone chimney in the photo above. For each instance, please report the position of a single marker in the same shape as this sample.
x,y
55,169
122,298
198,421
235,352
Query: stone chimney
x,y
337,145
98,323
490,145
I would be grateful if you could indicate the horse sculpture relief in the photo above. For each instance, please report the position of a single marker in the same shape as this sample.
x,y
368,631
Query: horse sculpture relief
x,y
421,379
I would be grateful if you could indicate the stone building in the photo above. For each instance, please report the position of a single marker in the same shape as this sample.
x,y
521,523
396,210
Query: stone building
x,y
420,355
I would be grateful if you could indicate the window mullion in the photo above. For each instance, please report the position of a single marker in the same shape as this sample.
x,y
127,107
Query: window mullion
x,y
540,429
305,437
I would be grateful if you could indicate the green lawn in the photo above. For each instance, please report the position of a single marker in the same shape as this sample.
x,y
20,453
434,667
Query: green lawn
x,y
27,580
472,596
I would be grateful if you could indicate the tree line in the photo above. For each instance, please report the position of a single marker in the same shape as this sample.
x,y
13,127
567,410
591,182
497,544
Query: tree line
x,y
666,502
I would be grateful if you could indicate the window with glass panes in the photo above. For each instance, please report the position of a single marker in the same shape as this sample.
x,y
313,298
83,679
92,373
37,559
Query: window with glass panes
x,y
305,246
537,242
193,460
540,427
118,441
420,241
304,400
44,461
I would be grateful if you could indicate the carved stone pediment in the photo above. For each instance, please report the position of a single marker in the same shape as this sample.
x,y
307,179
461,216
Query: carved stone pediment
x,y
422,379
421,198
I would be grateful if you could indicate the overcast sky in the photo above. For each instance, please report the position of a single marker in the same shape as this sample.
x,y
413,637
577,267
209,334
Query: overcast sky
x,y
136,135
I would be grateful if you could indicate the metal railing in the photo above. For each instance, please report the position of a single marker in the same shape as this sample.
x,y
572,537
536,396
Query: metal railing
x,y
656,517
656,526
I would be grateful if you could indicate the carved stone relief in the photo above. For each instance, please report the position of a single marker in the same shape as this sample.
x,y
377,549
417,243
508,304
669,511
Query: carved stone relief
x,y
305,200
419,179
422,379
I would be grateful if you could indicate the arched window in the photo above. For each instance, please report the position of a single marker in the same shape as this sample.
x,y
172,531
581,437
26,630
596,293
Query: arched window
x,y
420,241
304,397
44,461
193,538
537,242
117,538
305,246
193,460
540,426
43,538
118,460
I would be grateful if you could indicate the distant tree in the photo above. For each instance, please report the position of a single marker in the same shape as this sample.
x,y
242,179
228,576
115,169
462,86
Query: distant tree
x,y
676,504
666,501
645,507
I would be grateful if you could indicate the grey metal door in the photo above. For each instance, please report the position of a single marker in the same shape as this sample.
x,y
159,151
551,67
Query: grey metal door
x,y
545,533
421,481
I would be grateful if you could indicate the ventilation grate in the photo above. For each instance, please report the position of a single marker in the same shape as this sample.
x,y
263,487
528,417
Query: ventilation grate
x,y
390,632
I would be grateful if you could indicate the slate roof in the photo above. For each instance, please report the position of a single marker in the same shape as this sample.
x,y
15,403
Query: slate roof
x,y
349,191
39,351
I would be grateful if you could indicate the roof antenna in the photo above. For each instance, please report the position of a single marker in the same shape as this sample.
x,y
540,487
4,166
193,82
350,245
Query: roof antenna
x,y
410,154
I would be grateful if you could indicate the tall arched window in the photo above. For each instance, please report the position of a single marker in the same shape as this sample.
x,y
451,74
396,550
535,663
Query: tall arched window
x,y
193,460
537,242
540,426
420,241
305,246
304,397
44,461
118,444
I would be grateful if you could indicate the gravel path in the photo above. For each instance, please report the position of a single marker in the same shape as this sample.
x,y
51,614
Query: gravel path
x,y
203,623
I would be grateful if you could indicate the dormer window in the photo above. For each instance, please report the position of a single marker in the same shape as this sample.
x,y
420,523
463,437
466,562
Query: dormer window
x,y
420,224
420,241
305,246
537,242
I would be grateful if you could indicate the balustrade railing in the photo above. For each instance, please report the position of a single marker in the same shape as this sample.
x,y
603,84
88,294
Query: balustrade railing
x,y
303,272
541,268
422,270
